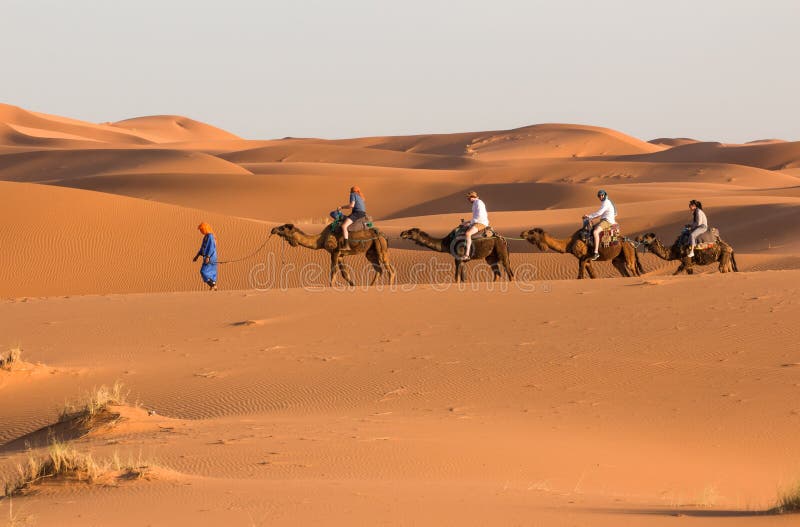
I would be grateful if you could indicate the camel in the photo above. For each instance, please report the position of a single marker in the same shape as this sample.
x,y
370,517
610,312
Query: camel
x,y
720,252
370,242
493,249
622,255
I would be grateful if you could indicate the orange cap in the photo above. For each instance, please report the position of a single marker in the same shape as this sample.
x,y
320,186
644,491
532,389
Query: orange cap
x,y
205,228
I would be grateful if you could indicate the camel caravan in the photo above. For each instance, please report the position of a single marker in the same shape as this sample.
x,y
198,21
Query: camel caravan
x,y
601,240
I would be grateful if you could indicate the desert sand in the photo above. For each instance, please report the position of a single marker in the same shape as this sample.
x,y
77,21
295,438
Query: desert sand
x,y
279,400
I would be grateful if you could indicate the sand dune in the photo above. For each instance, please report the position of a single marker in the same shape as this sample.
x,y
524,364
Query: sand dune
x,y
557,140
173,128
769,155
280,400
673,141
15,135
62,166
53,126
543,140
304,151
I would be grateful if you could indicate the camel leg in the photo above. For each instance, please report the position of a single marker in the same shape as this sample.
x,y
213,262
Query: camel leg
x,y
391,271
639,268
345,274
631,260
372,257
681,267
726,262
621,265
505,261
383,256
460,271
585,268
334,260
493,263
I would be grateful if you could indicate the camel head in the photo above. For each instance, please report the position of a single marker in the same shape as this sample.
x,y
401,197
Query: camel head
x,y
410,234
646,239
286,232
535,237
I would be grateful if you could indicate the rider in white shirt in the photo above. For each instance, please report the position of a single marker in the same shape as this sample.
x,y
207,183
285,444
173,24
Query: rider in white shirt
x,y
480,220
607,214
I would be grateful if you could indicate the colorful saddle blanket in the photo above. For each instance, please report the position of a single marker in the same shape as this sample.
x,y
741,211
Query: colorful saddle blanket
x,y
611,236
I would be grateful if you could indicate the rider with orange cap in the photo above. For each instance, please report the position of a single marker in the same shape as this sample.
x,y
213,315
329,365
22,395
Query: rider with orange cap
x,y
358,210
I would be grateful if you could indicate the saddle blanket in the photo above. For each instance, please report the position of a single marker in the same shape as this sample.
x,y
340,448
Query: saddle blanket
x,y
610,236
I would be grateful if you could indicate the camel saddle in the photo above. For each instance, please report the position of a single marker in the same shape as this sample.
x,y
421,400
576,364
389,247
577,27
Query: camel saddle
x,y
488,232
360,224
608,236
704,241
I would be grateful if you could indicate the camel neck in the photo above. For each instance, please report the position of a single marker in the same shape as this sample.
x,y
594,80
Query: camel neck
x,y
311,241
659,250
424,239
556,244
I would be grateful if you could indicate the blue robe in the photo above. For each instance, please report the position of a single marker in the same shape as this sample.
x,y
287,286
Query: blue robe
x,y
209,249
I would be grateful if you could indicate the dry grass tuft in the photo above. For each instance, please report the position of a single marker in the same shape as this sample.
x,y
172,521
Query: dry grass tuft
x,y
94,407
132,469
66,463
789,500
62,461
12,357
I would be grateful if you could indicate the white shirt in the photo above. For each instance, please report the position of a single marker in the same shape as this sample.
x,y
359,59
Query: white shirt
x,y
479,214
606,212
701,218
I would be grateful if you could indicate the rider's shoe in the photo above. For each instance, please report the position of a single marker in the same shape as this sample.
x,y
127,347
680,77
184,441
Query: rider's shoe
x,y
594,257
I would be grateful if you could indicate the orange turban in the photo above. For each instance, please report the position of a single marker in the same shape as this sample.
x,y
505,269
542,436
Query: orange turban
x,y
205,228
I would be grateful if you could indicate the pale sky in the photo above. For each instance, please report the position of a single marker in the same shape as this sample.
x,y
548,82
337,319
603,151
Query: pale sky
x,y
725,70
